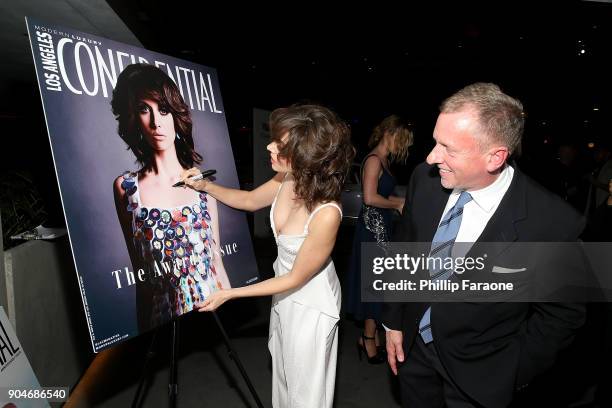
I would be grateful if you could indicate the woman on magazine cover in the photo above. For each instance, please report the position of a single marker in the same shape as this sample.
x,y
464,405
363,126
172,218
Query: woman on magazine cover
x,y
171,233
311,152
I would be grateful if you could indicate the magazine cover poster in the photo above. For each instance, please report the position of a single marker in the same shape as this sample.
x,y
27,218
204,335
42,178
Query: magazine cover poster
x,y
123,123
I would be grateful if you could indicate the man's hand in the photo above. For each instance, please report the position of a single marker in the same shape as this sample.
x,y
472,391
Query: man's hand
x,y
395,351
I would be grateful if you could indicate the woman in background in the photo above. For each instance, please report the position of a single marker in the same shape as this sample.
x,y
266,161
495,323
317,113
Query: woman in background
x,y
171,234
390,141
311,153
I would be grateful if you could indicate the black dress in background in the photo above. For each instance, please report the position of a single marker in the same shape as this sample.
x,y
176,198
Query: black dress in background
x,y
373,225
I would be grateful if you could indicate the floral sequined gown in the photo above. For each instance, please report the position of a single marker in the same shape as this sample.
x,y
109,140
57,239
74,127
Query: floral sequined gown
x,y
174,247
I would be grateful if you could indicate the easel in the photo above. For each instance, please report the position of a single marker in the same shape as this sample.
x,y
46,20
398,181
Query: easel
x,y
172,384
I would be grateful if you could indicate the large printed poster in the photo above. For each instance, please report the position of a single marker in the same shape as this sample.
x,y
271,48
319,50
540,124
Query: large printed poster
x,y
123,123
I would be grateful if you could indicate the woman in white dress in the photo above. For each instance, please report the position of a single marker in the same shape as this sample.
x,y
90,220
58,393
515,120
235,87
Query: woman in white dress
x,y
311,152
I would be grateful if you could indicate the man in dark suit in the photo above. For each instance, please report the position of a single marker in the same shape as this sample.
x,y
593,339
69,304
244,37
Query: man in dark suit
x,y
477,354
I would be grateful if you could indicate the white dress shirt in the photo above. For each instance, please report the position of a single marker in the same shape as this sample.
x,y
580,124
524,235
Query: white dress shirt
x,y
478,212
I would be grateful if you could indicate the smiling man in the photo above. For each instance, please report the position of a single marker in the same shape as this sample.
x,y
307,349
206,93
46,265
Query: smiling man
x,y
477,354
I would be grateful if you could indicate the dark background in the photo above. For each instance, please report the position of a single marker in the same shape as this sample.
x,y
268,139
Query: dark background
x,y
365,63
368,62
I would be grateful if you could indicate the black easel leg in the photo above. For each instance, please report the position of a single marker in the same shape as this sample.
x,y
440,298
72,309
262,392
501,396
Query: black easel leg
x,y
234,356
173,385
143,376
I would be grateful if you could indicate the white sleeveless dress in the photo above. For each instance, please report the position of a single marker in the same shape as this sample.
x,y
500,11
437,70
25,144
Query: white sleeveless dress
x,y
303,338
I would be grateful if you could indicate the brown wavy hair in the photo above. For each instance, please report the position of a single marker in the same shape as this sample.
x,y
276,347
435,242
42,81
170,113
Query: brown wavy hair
x,y
143,81
402,133
318,146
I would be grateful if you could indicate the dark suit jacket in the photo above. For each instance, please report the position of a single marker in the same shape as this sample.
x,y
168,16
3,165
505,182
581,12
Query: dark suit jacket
x,y
491,349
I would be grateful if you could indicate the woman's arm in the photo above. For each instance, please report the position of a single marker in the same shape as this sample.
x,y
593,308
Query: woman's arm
x,y
371,174
312,255
217,258
253,200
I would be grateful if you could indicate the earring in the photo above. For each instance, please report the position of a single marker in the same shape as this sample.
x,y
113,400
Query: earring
x,y
177,136
140,136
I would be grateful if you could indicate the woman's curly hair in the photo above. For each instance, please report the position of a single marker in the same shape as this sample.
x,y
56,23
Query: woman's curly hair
x,y
143,81
318,147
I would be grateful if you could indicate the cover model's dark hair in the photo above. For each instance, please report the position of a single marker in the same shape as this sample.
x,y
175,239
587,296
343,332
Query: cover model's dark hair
x,y
143,81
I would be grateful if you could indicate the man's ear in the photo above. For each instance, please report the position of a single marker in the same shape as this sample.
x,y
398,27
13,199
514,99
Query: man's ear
x,y
497,157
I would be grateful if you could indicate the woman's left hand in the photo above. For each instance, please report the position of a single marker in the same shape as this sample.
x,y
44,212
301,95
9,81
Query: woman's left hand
x,y
214,301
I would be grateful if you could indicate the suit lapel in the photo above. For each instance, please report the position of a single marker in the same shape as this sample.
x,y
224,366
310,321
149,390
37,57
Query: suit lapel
x,y
438,197
501,227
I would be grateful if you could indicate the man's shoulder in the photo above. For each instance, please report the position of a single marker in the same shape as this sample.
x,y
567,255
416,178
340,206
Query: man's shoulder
x,y
423,169
540,196
549,209
425,173
425,179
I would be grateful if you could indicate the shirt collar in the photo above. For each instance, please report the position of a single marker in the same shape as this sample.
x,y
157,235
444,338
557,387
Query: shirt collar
x,y
488,197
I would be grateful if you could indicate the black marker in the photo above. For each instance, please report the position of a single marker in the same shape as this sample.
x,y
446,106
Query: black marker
x,y
203,175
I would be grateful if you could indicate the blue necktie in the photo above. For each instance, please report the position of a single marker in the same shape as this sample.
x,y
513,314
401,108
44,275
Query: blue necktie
x,y
442,247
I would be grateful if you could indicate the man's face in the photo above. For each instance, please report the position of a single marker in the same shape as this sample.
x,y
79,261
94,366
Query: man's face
x,y
461,162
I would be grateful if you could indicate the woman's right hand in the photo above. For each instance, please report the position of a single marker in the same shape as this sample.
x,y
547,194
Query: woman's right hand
x,y
199,185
